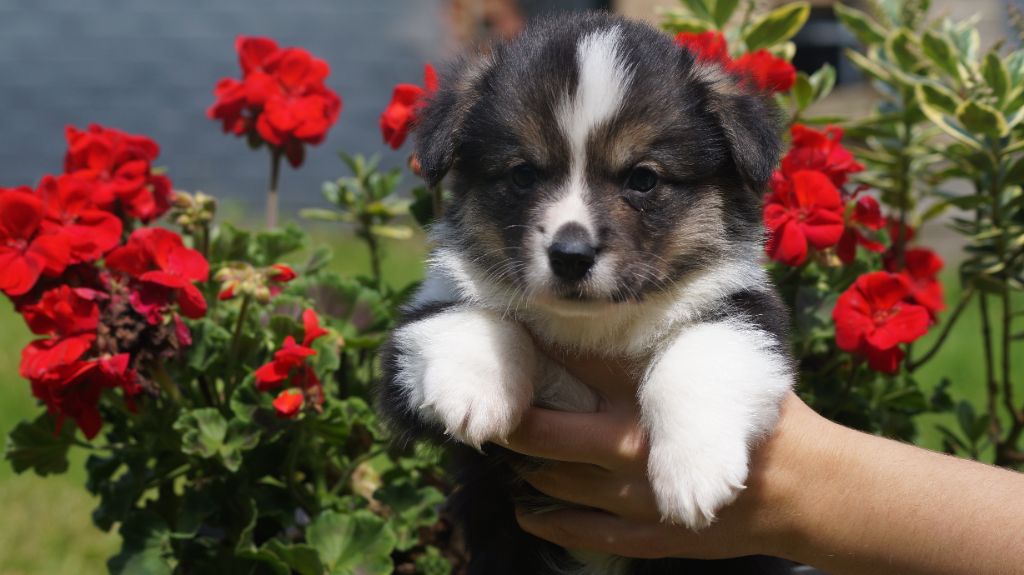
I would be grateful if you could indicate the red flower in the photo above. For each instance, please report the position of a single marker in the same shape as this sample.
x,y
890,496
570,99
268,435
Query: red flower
x,y
64,311
26,251
821,151
282,273
865,215
74,390
70,210
873,318
281,98
804,209
768,72
920,272
120,166
289,362
165,268
707,46
288,402
400,115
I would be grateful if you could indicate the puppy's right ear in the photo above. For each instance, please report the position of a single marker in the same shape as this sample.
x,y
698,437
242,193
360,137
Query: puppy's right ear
x,y
440,123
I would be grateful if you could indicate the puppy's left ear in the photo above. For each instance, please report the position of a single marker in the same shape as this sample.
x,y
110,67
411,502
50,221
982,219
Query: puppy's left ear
x,y
440,122
750,122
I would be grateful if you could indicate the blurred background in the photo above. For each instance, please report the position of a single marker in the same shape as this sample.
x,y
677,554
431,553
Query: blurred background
x,y
149,67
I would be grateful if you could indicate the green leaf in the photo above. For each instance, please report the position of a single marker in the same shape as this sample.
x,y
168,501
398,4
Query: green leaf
x,y
205,433
981,118
940,51
803,91
777,26
359,543
324,215
996,75
411,507
823,81
1015,67
303,559
392,232
675,23
1015,172
699,8
899,46
867,31
273,245
723,11
34,445
935,114
938,97
869,66
318,260
146,548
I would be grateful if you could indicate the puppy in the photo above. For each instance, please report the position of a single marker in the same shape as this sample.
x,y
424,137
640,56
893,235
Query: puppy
x,y
607,199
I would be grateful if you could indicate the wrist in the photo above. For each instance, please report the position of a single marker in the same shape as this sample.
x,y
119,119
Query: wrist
x,y
791,464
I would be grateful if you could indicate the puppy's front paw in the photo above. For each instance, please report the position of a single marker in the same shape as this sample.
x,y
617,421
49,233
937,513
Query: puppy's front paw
x,y
692,484
475,400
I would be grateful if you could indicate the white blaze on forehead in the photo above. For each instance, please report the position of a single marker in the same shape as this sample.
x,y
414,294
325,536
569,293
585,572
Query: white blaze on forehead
x,y
601,87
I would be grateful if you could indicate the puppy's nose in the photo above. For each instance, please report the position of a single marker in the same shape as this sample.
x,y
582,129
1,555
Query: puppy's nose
x,y
572,253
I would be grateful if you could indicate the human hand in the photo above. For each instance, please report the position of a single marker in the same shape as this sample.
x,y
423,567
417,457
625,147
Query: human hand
x,y
599,460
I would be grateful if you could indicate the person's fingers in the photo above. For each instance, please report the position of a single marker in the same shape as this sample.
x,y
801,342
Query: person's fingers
x,y
592,530
604,439
624,495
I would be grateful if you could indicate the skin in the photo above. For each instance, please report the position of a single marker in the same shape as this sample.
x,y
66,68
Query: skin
x,y
819,493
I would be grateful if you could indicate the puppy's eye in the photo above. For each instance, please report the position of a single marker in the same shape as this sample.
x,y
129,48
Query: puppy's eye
x,y
524,176
642,179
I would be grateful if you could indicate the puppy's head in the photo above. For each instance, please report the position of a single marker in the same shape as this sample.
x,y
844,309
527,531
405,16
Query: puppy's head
x,y
594,161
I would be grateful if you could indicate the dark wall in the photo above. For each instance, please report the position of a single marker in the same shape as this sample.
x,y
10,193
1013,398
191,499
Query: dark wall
x,y
149,66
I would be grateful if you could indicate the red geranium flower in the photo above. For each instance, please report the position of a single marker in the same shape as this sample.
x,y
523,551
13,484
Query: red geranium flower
x,y
288,402
74,390
803,209
707,46
821,151
289,362
920,272
166,270
70,210
873,318
866,214
120,165
64,311
767,71
26,251
281,98
400,115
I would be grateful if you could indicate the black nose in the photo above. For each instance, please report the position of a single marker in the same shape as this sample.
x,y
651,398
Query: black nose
x,y
572,254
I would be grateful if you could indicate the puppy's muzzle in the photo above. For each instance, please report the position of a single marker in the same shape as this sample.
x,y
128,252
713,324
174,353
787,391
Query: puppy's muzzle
x,y
572,253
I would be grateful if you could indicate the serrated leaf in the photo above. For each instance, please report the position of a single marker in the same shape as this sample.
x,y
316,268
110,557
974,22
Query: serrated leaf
x,y
860,24
996,75
146,549
777,26
981,118
359,543
202,431
940,51
34,445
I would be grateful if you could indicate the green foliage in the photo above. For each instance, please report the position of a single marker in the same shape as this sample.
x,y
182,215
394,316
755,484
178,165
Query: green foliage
x,y
34,445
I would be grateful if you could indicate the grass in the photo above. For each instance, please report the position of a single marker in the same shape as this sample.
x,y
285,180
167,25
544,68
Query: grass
x,y
48,529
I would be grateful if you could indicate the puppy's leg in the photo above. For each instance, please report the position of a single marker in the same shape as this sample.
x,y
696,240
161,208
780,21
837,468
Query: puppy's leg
x,y
461,370
712,394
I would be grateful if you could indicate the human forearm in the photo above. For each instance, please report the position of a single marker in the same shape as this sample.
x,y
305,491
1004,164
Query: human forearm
x,y
852,503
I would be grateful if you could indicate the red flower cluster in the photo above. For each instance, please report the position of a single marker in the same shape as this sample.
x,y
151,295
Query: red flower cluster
x,y
877,314
120,167
281,98
767,72
808,208
62,262
400,115
289,365
920,272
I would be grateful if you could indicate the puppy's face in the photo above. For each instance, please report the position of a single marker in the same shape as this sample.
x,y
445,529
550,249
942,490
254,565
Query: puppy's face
x,y
594,162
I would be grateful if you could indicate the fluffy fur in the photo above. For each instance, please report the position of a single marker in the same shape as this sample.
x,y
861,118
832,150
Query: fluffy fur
x,y
599,136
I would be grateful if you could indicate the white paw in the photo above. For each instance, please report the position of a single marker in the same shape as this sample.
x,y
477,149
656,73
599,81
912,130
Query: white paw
x,y
692,485
469,372
475,401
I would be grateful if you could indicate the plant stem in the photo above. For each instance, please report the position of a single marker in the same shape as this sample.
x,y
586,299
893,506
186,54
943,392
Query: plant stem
x,y
275,173
965,298
991,386
161,376
236,337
